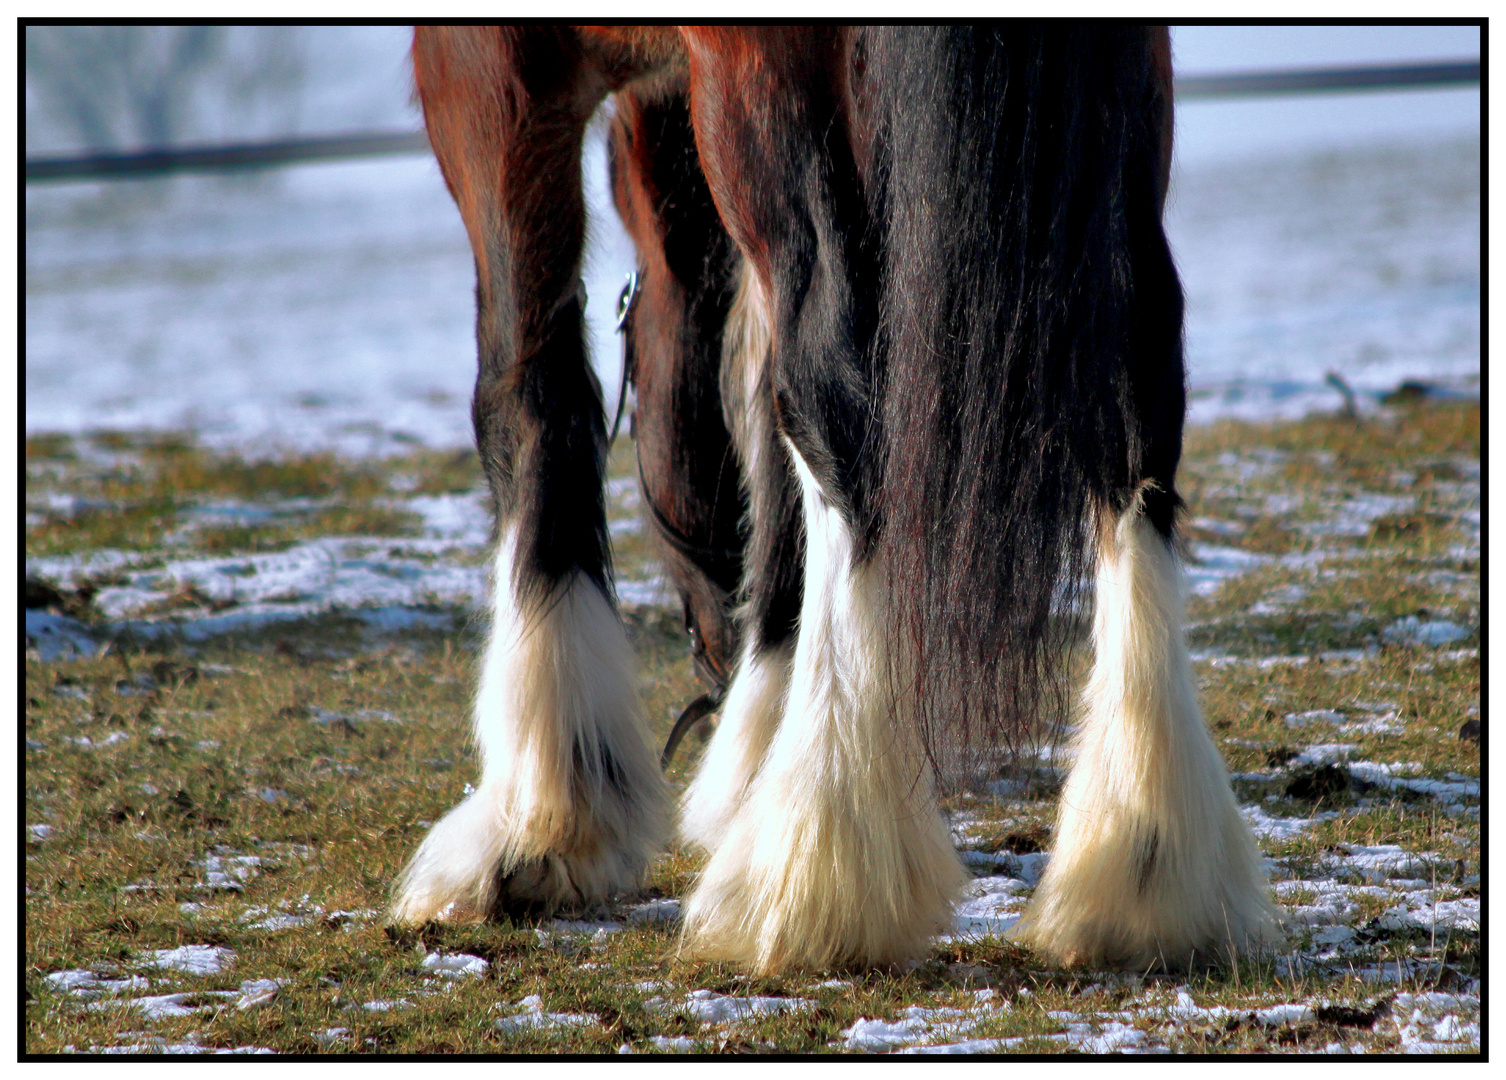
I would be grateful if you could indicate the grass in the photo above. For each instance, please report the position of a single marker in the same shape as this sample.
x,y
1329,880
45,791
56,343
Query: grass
x,y
138,493
322,753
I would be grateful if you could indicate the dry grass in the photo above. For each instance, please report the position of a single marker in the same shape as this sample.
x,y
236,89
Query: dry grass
x,y
323,755
131,492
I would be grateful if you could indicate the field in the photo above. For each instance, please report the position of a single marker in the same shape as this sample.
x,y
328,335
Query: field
x,y
247,685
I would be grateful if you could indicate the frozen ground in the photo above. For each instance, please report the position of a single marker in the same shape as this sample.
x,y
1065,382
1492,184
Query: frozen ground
x,y
386,585
1362,262
332,304
1336,907
439,579
1320,914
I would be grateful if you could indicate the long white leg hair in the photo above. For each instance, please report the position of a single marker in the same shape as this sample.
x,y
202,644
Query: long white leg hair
x,y
754,701
569,809
838,853
1152,861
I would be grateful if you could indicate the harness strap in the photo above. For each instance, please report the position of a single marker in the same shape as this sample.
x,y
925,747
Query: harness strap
x,y
626,300
700,554
697,710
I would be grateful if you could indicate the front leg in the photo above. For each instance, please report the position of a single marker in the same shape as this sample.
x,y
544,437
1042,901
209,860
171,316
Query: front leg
x,y
570,805
569,808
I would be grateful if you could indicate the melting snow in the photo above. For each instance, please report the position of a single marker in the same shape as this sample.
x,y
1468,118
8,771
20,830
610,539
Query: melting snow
x,y
1431,1023
1354,515
1433,915
713,1008
387,584
991,905
230,871
267,919
916,1023
256,993
536,1018
381,1005
57,637
1266,827
654,911
669,1044
1292,1013
455,965
1414,631
1026,868
161,1046
1384,861
883,1035
1324,754
1324,716
192,959
163,1006
1210,566
88,986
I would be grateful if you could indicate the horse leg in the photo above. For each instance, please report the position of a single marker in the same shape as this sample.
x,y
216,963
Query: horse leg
x,y
569,806
772,582
699,324
836,853
1152,861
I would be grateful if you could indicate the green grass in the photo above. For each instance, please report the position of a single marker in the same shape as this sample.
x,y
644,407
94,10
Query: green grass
x,y
227,749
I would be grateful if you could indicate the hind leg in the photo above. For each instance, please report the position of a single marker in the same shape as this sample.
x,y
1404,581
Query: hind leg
x,y
1153,863
705,435
831,850
569,807
837,853
754,702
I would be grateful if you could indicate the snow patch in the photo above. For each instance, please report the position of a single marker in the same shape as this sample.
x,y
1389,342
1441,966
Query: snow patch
x,y
712,1008
1433,632
653,911
455,965
192,959
535,1018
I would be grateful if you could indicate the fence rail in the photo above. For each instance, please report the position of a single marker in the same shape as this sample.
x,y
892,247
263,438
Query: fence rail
x,y
369,144
237,156
1394,77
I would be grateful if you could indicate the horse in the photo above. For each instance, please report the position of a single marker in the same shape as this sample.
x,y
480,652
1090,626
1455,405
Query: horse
x,y
907,349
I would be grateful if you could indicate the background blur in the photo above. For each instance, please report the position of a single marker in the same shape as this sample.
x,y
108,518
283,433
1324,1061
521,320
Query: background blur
x,y
330,304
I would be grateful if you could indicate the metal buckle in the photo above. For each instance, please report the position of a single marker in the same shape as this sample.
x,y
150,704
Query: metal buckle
x,y
625,301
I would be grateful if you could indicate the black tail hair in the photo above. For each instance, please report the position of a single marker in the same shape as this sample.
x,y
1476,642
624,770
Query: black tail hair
x,y
1031,327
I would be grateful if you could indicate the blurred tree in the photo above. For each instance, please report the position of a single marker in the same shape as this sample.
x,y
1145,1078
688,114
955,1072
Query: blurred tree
x,y
132,87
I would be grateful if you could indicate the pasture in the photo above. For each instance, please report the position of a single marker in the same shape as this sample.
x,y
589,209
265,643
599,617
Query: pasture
x,y
247,687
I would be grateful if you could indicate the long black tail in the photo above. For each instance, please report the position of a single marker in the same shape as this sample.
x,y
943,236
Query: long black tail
x,y
1031,330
